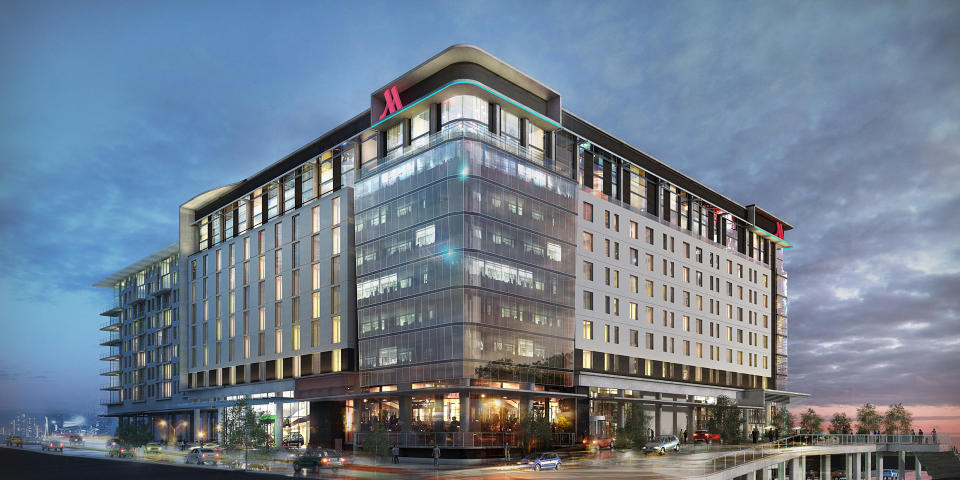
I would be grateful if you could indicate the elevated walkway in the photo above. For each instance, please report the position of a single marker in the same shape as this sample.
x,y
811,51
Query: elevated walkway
x,y
790,454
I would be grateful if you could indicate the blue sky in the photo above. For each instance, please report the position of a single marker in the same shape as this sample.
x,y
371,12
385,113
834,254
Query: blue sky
x,y
839,116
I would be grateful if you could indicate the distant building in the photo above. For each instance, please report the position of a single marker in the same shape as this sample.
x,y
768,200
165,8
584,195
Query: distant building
x,y
462,254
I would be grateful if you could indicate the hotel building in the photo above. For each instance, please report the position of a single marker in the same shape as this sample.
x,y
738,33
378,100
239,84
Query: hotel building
x,y
464,252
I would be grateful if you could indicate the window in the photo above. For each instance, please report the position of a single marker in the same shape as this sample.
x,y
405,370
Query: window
x,y
606,333
634,311
649,315
466,107
634,338
648,260
587,300
510,124
395,137
419,126
649,288
649,235
335,241
335,329
588,271
587,361
588,241
587,330
634,284
587,211
534,136
633,229
634,257
649,342
334,211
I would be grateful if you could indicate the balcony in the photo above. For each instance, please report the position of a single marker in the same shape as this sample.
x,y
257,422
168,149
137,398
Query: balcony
x,y
112,401
111,310
110,371
112,339
110,355
110,387
163,286
110,325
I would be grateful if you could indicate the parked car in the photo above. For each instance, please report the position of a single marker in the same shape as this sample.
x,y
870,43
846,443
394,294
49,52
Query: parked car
x,y
118,450
293,440
314,460
76,441
597,442
661,444
890,474
51,445
705,437
153,449
15,440
202,456
543,460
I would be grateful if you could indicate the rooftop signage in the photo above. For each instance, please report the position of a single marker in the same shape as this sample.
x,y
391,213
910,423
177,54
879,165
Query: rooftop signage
x,y
392,102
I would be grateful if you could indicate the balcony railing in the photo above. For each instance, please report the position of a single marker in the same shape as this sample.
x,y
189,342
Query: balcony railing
x,y
462,129
112,370
111,310
113,338
110,355
112,324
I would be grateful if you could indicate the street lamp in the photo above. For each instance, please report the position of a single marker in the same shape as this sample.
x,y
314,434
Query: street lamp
x,y
163,423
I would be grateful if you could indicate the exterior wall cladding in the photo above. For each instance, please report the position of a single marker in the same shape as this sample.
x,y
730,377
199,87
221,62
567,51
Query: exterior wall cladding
x,y
472,256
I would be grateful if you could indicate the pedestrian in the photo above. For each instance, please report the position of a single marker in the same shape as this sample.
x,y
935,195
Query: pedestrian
x,y
756,434
920,434
684,436
396,454
506,451
436,456
934,435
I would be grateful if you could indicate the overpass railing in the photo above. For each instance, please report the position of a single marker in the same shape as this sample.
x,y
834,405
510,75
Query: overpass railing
x,y
817,440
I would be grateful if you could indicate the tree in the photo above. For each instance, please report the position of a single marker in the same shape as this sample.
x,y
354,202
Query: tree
x,y
376,443
533,432
134,433
897,420
810,421
868,419
633,433
782,421
840,424
241,426
726,419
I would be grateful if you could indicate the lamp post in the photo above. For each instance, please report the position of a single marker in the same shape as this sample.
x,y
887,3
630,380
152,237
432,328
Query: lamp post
x,y
163,423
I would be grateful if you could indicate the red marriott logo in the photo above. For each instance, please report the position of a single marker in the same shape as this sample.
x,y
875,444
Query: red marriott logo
x,y
393,101
780,230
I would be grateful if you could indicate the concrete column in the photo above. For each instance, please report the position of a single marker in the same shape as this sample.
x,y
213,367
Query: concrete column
x,y
690,429
220,417
406,412
197,427
879,465
856,466
848,465
656,419
866,467
752,475
825,468
765,473
901,460
782,471
796,471
916,461
676,430
803,466
278,424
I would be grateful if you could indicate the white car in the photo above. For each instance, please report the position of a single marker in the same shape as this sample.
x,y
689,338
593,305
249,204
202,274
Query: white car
x,y
661,444
203,456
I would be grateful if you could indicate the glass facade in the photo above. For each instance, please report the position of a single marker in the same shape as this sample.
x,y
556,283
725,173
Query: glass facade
x,y
464,269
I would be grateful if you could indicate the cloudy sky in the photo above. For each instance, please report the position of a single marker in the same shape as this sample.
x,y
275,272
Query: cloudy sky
x,y
841,117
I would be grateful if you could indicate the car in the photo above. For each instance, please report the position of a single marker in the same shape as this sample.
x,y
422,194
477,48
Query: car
x,y
293,440
315,459
212,446
15,440
661,444
76,441
890,474
543,460
52,445
202,456
597,442
153,449
705,437
119,450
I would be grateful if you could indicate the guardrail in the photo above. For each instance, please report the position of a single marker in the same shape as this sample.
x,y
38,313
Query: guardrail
x,y
740,457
